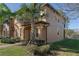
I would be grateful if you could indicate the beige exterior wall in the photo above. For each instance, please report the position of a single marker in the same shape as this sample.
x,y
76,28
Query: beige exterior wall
x,y
5,32
55,26
41,32
18,32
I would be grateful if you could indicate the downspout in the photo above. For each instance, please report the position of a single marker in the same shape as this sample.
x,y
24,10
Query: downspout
x,y
64,31
46,35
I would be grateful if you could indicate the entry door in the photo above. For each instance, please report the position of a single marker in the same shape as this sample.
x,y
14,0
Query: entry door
x,y
26,34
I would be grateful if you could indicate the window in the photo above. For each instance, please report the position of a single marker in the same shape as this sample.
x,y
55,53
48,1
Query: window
x,y
57,33
20,31
58,20
64,25
16,33
36,32
4,33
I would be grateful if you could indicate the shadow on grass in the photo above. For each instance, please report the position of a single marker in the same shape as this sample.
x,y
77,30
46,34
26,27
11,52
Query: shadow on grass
x,y
66,45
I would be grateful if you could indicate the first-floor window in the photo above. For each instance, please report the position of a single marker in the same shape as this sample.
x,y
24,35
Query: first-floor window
x,y
36,32
20,32
4,33
16,32
57,33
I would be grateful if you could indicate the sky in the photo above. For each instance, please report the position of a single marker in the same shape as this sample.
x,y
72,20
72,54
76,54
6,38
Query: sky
x,y
73,24
74,19
13,6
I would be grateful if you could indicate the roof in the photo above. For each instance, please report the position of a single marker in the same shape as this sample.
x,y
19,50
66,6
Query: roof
x,y
53,9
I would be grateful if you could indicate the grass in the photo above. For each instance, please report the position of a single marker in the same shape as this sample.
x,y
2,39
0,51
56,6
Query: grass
x,y
67,47
13,51
68,43
18,51
23,50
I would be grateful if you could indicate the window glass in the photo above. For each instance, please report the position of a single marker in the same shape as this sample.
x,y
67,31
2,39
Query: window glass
x,y
57,33
36,32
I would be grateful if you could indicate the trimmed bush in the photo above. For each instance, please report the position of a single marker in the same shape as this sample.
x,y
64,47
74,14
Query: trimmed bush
x,y
38,42
42,50
30,49
10,40
17,39
7,40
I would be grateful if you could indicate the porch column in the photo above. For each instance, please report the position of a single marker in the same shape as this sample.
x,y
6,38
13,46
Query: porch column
x,y
22,33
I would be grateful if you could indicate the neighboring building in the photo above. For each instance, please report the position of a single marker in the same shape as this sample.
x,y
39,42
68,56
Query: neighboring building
x,y
50,28
6,29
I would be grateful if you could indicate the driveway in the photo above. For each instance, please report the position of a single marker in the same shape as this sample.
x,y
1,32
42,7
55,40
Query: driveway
x,y
8,45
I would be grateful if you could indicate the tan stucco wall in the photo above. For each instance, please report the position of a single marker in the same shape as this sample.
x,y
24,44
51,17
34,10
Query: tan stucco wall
x,y
41,32
22,31
5,32
19,29
54,26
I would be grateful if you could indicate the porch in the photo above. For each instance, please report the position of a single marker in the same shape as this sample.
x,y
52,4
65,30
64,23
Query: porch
x,y
40,33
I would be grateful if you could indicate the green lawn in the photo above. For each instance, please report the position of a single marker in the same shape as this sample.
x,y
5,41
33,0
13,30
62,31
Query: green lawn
x,y
17,51
65,47
13,51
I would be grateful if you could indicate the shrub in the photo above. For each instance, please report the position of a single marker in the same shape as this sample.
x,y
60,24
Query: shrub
x,y
39,50
42,50
17,39
30,49
9,40
39,42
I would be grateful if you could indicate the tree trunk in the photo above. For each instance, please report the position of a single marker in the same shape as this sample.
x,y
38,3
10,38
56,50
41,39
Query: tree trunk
x,y
1,28
32,31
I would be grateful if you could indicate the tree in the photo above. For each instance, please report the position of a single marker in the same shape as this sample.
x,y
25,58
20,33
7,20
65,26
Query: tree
x,y
30,12
69,32
71,10
4,12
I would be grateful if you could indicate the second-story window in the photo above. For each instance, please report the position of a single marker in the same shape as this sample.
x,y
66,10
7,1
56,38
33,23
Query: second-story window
x,y
20,31
36,35
57,33
64,25
58,20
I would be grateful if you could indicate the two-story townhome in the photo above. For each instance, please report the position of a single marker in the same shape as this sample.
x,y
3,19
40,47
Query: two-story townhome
x,y
49,29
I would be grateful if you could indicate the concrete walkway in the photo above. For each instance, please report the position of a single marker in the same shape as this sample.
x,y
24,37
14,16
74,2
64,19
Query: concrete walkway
x,y
8,45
